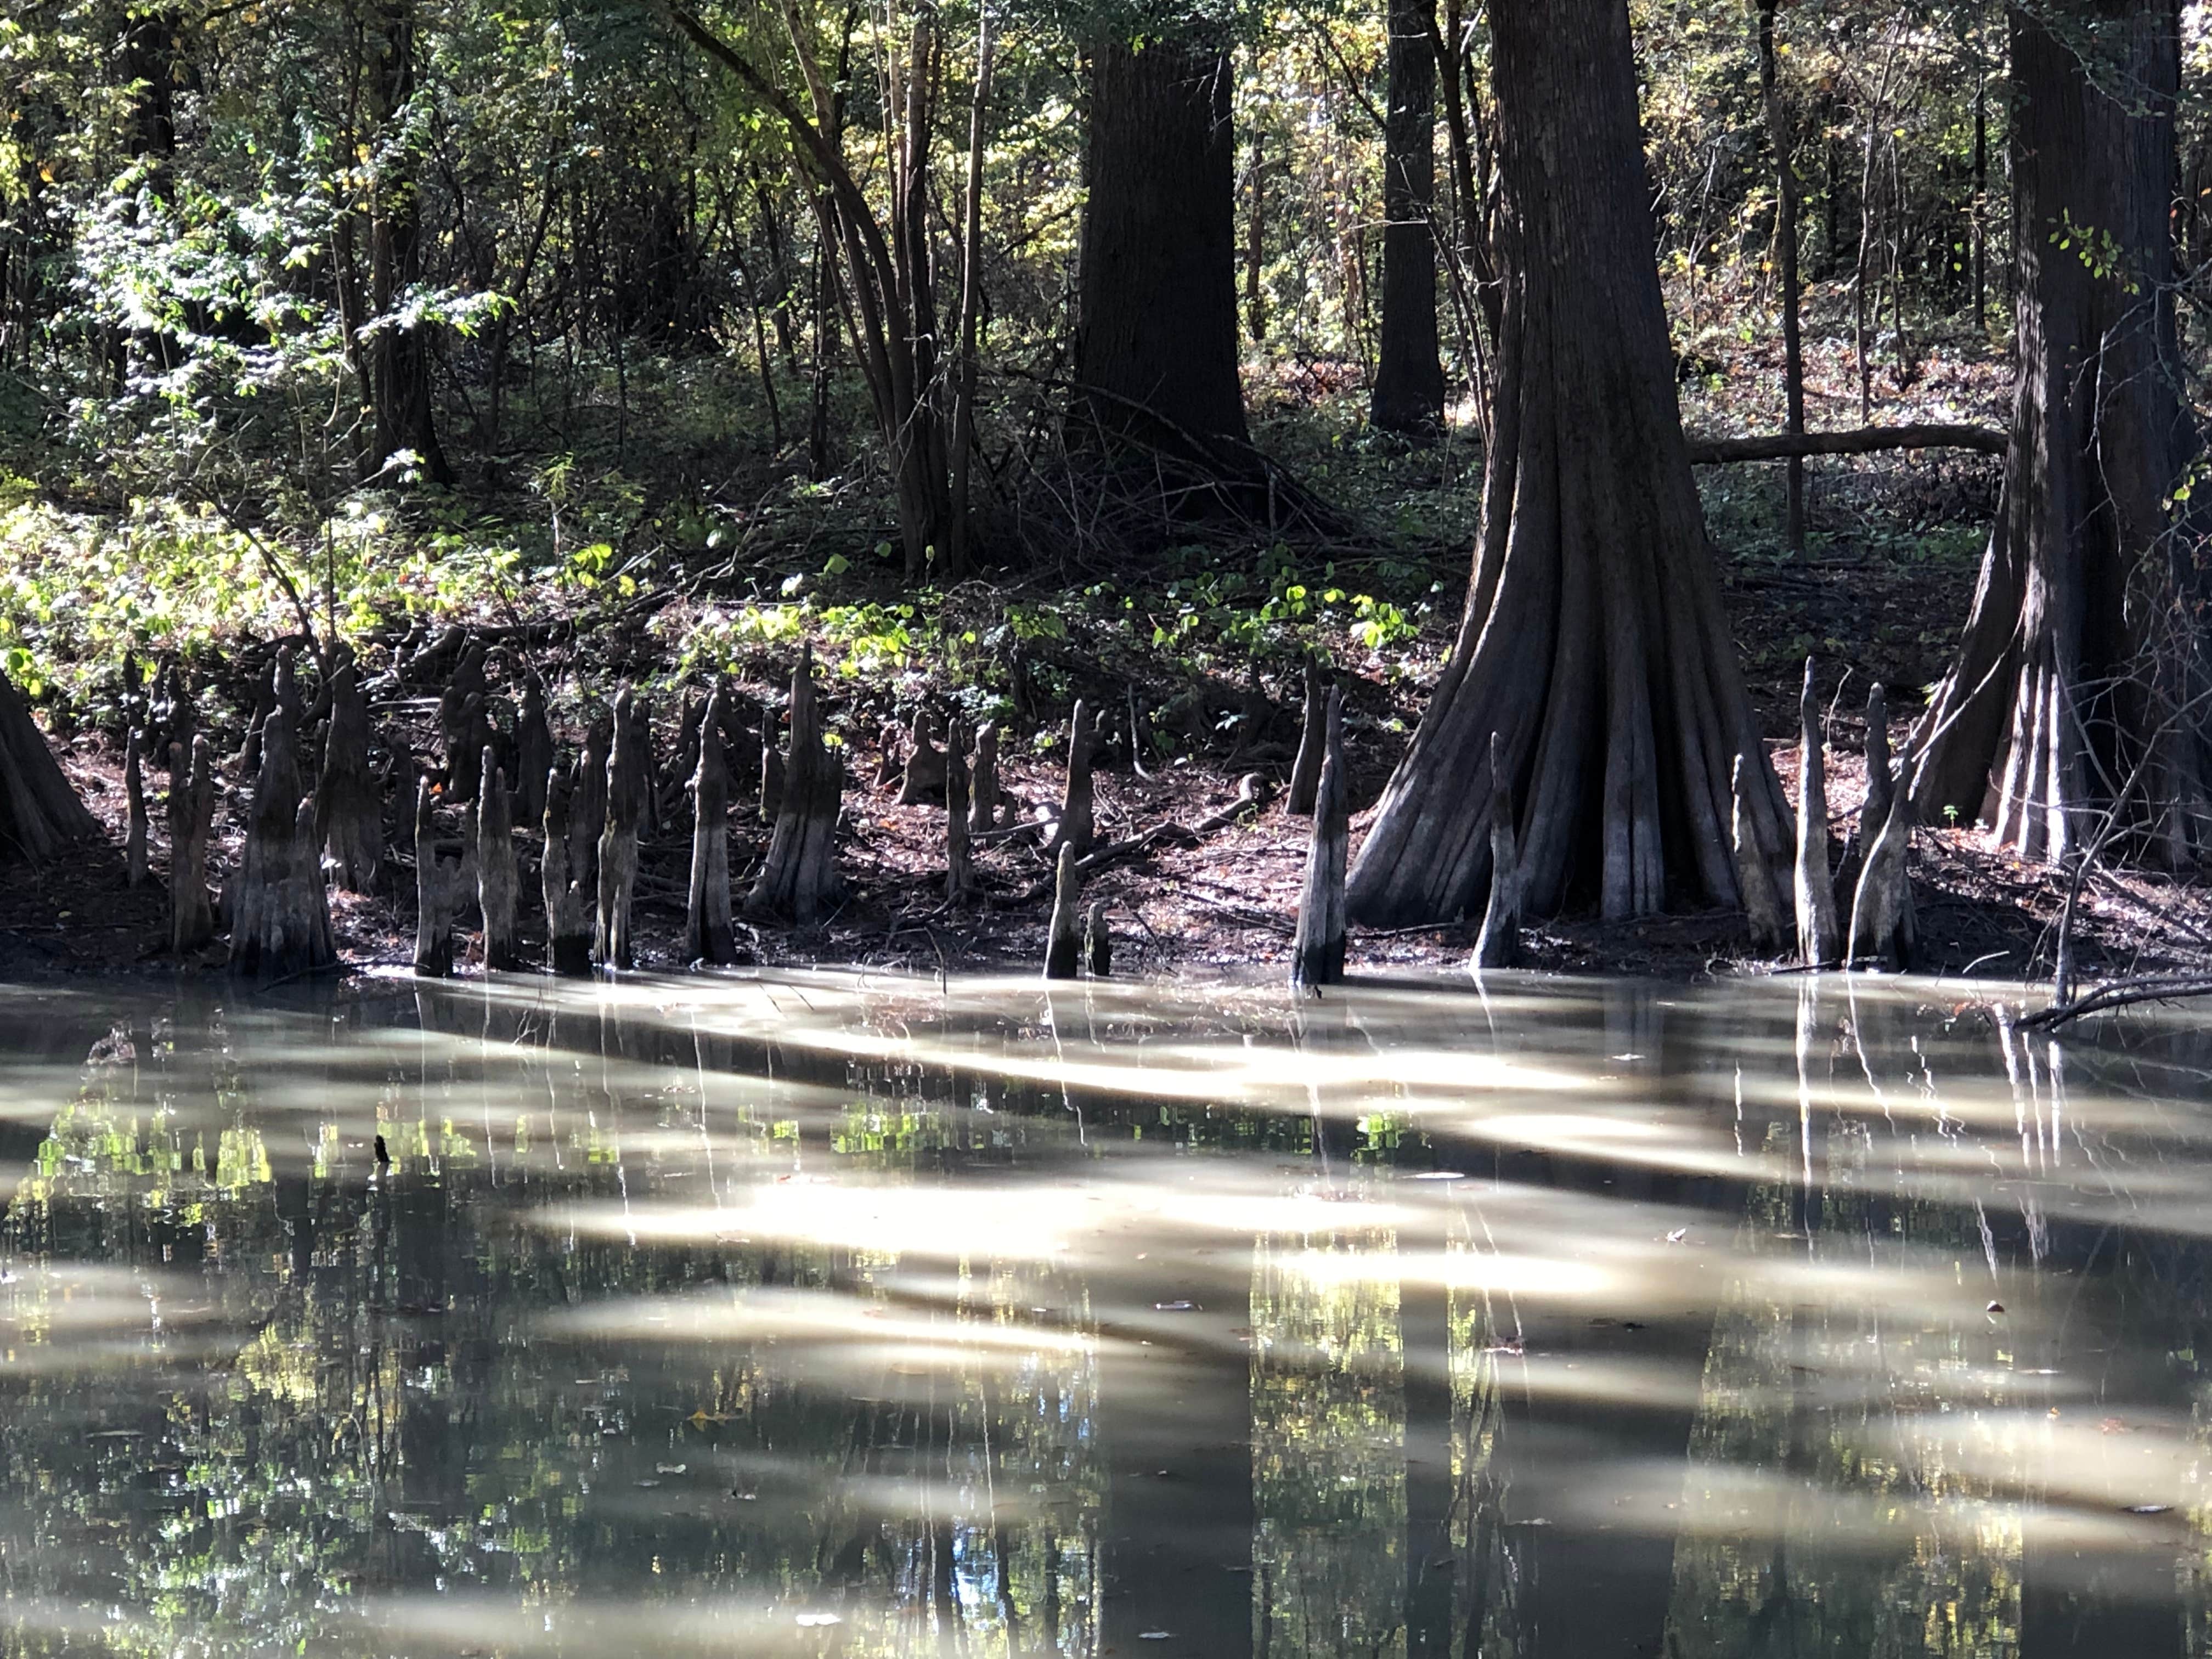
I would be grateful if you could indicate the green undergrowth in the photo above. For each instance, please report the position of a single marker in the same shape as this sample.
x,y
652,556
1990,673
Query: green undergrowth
x,y
665,584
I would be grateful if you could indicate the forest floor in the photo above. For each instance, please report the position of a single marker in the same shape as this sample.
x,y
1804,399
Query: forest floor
x,y
1878,596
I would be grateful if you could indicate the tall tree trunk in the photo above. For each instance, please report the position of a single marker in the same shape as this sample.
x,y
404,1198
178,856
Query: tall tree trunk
x,y
1409,372
2082,658
1594,641
398,357
1156,344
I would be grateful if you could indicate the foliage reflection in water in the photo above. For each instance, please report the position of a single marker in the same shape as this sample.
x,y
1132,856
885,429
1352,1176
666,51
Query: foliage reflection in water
x,y
824,1316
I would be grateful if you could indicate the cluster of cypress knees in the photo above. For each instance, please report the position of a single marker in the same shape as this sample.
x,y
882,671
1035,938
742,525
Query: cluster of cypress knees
x,y
592,811
1869,886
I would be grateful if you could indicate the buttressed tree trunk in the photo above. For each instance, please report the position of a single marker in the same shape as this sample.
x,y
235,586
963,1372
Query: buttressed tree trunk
x,y
1409,370
2080,659
40,813
1158,280
1594,641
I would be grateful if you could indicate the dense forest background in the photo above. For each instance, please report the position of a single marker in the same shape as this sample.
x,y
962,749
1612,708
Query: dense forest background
x,y
397,310
1147,354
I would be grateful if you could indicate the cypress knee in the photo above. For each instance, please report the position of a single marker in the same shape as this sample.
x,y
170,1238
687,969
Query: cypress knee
x,y
192,821
282,926
499,883
134,802
1816,898
588,803
1883,925
707,931
568,895
533,752
348,798
684,763
1499,945
1076,829
771,789
1098,942
924,764
1063,944
1313,739
959,861
799,875
433,922
1881,785
1754,867
1318,949
983,794
464,725
628,788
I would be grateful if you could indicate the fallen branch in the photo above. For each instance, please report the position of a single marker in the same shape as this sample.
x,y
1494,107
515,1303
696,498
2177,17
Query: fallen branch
x,y
1858,441
2122,993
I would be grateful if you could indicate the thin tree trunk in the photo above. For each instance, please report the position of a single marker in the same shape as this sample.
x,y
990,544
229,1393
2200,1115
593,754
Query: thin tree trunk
x,y
958,554
1785,249
1409,377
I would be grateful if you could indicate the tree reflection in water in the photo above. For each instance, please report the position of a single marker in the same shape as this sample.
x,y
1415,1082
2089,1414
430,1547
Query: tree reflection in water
x,y
827,1317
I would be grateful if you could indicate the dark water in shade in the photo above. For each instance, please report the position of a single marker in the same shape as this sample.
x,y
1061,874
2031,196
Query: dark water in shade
x,y
843,1317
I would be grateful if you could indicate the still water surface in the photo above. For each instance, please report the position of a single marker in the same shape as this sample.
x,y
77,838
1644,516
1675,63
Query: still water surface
x,y
833,1316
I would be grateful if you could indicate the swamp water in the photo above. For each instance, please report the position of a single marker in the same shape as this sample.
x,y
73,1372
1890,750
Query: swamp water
x,y
828,1315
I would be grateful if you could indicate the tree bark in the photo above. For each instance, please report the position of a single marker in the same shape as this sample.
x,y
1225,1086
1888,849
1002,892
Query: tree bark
x,y
1157,275
1409,374
1594,641
2082,659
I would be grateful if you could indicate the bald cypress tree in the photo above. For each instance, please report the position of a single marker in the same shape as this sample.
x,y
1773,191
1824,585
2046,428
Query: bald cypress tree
x,y
2082,663
1593,642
